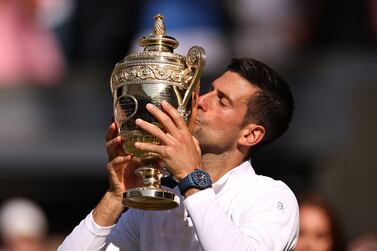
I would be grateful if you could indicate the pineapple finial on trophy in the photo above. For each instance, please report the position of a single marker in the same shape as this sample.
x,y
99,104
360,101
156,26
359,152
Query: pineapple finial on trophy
x,y
158,40
159,26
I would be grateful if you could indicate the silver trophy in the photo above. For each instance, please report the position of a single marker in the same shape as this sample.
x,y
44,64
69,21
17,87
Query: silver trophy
x,y
151,76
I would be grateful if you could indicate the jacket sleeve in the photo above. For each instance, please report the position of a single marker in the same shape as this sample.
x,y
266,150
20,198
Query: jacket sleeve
x,y
86,236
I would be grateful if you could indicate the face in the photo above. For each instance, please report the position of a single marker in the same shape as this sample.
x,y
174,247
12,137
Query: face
x,y
315,230
221,112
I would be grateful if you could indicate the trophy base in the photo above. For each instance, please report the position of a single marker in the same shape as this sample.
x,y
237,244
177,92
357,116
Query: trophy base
x,y
150,198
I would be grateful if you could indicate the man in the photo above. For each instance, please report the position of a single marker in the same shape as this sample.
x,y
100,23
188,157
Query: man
x,y
248,106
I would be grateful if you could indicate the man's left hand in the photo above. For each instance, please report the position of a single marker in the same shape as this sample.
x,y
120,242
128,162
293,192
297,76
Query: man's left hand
x,y
178,147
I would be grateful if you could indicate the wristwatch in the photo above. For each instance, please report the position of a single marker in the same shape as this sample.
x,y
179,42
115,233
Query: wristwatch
x,y
199,179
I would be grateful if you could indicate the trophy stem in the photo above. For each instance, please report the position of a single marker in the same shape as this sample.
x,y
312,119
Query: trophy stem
x,y
151,196
151,176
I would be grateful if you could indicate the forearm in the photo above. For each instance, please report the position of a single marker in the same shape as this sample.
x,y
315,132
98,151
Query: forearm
x,y
92,232
86,236
96,232
108,210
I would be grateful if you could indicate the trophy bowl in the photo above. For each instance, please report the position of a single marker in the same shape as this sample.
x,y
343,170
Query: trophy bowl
x,y
151,76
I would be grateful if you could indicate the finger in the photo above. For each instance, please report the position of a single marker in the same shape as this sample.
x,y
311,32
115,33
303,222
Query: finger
x,y
116,166
116,169
163,118
151,148
174,115
152,129
120,160
114,143
112,131
113,146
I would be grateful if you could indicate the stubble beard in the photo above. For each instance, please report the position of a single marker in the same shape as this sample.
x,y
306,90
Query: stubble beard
x,y
207,142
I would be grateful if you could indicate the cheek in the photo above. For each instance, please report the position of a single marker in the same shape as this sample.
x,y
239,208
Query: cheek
x,y
224,125
313,242
325,243
314,239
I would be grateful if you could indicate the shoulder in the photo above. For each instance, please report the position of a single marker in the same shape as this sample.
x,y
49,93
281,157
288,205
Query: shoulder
x,y
271,187
260,194
265,188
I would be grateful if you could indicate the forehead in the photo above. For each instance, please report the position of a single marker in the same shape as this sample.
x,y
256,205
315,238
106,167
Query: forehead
x,y
234,86
314,215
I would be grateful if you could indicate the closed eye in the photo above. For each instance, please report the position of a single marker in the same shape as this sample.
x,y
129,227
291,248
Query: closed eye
x,y
223,99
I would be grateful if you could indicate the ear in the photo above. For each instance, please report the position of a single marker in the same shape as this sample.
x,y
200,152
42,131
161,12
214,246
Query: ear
x,y
251,135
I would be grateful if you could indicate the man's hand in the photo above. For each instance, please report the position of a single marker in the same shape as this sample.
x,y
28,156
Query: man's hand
x,y
178,148
121,172
114,142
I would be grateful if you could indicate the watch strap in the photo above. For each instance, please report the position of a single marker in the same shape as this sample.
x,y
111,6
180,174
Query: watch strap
x,y
189,182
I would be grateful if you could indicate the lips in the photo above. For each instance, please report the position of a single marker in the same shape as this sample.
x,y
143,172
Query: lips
x,y
197,119
198,116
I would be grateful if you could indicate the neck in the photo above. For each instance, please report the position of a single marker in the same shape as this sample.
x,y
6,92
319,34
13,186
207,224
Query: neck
x,y
217,165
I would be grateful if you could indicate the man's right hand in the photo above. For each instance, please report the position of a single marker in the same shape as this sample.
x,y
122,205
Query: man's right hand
x,y
121,171
121,166
114,142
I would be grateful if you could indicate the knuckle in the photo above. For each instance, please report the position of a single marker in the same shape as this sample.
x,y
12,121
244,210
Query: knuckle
x,y
169,151
165,120
109,166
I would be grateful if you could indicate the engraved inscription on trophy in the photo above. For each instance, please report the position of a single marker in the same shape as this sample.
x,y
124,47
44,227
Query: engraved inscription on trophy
x,y
126,107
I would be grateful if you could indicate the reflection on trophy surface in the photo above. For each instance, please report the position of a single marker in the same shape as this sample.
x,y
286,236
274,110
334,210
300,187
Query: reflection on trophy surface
x,y
151,76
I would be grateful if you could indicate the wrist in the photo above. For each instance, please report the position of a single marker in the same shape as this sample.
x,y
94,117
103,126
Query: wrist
x,y
181,176
193,182
190,192
108,209
114,195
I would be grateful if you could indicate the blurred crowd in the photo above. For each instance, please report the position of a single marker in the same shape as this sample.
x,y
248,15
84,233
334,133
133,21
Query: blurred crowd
x,y
42,37
57,56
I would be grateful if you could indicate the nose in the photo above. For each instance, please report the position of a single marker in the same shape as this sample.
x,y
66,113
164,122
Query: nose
x,y
202,104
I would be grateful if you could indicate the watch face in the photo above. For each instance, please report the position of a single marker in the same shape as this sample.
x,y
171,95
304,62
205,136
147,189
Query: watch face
x,y
201,178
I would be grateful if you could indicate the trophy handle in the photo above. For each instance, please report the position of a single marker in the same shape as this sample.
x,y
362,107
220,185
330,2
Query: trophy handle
x,y
195,61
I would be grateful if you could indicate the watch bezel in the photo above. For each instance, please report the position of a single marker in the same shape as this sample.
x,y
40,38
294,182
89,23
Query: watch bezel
x,y
198,179
202,181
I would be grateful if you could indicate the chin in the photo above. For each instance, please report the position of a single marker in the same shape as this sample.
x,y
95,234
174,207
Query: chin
x,y
198,135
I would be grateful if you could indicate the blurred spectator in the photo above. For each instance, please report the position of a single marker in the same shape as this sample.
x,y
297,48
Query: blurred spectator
x,y
29,51
366,242
319,227
57,15
268,30
23,226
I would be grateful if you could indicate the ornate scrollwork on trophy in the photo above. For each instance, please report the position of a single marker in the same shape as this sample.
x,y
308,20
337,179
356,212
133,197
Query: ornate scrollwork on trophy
x,y
148,73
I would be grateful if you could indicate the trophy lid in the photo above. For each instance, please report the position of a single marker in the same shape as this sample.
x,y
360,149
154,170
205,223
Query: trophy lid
x,y
158,41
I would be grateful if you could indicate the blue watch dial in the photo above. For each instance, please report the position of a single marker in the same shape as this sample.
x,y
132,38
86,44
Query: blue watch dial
x,y
201,178
197,179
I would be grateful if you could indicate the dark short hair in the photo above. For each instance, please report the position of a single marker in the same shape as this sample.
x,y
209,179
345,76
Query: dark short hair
x,y
272,106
